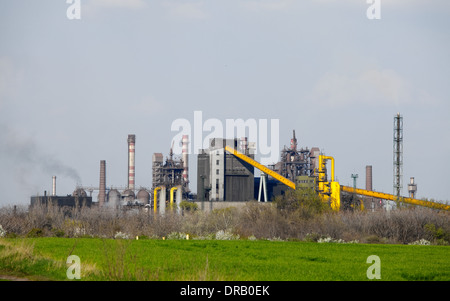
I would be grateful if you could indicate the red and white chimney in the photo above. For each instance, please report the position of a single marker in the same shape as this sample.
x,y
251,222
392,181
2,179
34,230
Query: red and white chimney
x,y
131,171
185,153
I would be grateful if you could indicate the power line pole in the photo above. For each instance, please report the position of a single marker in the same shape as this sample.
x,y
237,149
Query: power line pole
x,y
354,176
398,155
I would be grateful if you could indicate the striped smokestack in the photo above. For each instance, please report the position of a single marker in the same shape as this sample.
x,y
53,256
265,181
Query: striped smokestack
x,y
102,186
131,171
185,152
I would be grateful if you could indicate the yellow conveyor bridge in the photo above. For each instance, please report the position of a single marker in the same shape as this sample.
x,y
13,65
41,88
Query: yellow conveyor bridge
x,y
330,191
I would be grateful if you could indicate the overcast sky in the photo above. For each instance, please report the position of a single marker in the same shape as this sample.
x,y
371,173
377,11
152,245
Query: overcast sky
x,y
72,90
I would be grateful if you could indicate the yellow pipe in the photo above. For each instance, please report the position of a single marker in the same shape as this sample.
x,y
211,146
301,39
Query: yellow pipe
x,y
335,196
155,198
332,165
171,196
328,189
385,196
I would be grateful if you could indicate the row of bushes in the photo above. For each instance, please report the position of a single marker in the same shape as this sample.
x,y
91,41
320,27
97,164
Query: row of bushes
x,y
294,217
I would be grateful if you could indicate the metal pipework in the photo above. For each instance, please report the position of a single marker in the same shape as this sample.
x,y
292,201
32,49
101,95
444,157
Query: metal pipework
x,y
332,165
171,196
155,199
330,190
185,152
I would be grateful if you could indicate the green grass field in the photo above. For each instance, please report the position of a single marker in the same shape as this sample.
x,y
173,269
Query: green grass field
x,y
237,260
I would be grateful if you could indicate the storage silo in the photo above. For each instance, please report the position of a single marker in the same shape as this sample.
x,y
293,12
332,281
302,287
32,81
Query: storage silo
x,y
114,198
128,197
143,196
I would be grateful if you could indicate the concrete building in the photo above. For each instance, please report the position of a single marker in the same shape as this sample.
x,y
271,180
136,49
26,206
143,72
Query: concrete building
x,y
222,176
78,199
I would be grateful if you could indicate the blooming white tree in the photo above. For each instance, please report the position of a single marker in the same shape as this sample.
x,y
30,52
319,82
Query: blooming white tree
x,y
2,231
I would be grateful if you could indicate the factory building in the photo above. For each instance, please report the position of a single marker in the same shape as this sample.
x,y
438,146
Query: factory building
x,y
296,162
297,165
170,178
222,176
173,171
168,172
78,199
226,173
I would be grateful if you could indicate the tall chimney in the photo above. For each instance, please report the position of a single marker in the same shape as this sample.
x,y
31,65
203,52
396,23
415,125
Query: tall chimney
x,y
293,141
369,177
412,188
131,171
54,186
185,152
102,187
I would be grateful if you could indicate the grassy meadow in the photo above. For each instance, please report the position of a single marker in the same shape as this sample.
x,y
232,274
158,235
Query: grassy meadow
x,y
44,258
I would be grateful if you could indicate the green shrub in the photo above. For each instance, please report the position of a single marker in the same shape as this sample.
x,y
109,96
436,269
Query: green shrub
x,y
177,235
58,232
35,232
2,231
439,235
188,206
312,237
305,203
374,239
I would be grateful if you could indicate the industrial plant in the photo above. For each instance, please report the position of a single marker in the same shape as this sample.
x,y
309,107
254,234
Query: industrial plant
x,y
226,175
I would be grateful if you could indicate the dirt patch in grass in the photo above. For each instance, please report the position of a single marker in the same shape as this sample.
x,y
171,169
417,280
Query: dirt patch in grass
x,y
12,278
